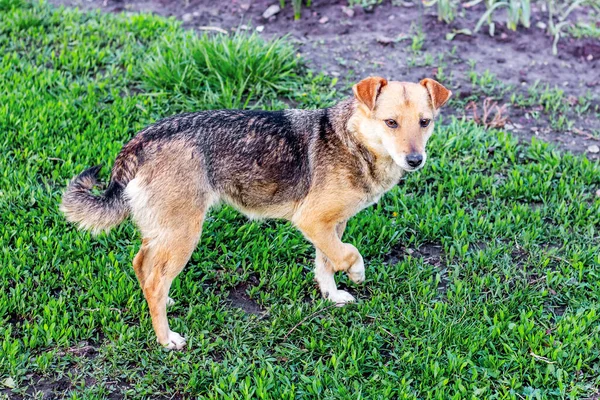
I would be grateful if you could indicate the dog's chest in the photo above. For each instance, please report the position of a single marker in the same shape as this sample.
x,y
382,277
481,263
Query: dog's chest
x,y
389,177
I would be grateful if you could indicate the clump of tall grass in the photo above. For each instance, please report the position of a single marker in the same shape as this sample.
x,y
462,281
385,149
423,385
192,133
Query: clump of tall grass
x,y
222,71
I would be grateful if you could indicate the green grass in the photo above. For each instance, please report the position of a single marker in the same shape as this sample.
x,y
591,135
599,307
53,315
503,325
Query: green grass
x,y
510,308
487,83
562,111
584,30
221,71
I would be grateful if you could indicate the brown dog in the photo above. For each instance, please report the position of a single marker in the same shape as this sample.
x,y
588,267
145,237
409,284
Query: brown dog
x,y
314,168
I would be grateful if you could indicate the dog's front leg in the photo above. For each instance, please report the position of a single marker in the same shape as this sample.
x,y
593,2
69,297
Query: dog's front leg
x,y
324,275
331,256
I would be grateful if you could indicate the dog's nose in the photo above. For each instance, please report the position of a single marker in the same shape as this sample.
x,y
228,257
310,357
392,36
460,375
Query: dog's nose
x,y
414,159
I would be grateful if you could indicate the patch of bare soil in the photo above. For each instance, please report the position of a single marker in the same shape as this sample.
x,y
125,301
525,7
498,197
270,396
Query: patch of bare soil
x,y
431,253
52,386
46,388
354,43
238,298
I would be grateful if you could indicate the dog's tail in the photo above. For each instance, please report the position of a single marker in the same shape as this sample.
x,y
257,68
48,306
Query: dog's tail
x,y
99,212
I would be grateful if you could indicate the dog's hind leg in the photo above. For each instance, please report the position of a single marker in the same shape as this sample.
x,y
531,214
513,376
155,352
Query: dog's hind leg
x,y
141,268
138,262
168,254
170,237
168,199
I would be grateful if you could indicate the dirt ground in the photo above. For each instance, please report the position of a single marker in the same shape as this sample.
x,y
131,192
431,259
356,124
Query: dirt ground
x,y
354,43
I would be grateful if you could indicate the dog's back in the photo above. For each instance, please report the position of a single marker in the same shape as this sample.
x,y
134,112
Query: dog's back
x,y
256,159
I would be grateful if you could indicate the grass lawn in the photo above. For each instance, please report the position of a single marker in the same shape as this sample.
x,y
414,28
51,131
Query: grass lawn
x,y
483,276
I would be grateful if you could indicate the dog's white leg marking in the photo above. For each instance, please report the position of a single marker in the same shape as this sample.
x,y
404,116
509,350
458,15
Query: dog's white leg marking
x,y
341,298
175,341
324,275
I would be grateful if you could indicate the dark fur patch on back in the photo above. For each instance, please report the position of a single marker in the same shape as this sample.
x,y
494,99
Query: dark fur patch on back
x,y
255,157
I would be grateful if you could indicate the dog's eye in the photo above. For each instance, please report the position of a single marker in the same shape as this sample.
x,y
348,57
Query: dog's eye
x,y
391,123
424,122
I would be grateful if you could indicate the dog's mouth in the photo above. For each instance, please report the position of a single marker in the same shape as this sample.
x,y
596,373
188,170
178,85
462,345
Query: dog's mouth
x,y
411,169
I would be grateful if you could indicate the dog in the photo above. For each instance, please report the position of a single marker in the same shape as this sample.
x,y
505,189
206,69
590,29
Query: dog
x,y
315,168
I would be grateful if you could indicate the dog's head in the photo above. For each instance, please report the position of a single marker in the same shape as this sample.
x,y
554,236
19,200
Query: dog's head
x,y
397,118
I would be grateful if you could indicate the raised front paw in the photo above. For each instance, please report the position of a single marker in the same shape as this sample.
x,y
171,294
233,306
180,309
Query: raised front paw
x,y
356,272
340,297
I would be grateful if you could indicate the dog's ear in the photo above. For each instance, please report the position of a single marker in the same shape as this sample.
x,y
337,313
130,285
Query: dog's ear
x,y
367,90
439,94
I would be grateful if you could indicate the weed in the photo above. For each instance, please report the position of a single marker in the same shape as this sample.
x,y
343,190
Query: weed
x,y
364,3
552,102
518,11
417,38
584,30
558,12
446,9
487,83
297,6
489,105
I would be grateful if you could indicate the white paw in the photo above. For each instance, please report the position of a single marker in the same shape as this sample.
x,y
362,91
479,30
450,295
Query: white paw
x,y
174,341
356,272
340,297
170,302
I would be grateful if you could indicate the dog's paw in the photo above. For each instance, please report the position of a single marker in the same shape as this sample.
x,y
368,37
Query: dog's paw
x,y
340,297
174,341
170,302
356,272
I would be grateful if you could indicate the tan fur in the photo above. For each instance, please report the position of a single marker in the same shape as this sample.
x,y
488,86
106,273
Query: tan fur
x,y
169,193
367,90
438,93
